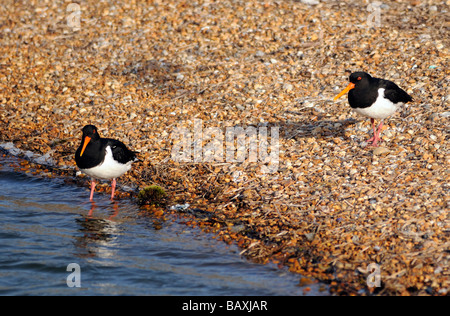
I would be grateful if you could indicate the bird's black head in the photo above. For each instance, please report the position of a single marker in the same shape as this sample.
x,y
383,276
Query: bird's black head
x,y
357,80
90,131
90,134
360,78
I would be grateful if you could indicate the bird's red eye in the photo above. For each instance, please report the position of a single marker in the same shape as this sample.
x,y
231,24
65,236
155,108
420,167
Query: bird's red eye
x,y
359,78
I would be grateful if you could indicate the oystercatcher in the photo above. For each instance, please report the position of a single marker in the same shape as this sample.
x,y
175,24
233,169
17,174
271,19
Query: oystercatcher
x,y
375,98
102,158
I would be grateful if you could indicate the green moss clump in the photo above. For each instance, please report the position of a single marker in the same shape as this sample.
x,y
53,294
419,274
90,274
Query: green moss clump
x,y
152,195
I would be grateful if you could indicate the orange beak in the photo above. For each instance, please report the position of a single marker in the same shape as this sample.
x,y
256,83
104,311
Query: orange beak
x,y
87,139
350,86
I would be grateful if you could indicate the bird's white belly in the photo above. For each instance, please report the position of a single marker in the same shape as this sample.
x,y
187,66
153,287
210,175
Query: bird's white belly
x,y
108,169
381,109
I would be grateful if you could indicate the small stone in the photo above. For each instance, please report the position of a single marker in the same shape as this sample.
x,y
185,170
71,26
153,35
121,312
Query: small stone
x,y
259,54
310,2
310,236
236,228
317,130
381,151
288,87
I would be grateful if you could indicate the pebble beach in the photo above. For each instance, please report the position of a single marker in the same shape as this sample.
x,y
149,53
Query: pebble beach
x,y
160,75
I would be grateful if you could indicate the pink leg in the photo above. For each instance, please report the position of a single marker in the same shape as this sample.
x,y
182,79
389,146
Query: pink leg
x,y
376,133
113,188
91,211
116,210
92,190
379,130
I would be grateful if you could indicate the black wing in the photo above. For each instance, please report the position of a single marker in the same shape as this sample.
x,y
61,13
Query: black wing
x,y
394,93
120,152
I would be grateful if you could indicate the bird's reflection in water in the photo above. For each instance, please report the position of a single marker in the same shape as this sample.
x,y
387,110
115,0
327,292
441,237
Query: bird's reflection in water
x,y
113,214
98,235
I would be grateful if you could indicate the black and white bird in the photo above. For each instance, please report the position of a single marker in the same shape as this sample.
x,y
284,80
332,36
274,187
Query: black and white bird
x,y
374,98
102,158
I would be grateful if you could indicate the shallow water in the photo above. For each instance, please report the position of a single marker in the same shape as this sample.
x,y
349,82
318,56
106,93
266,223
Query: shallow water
x,y
46,224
